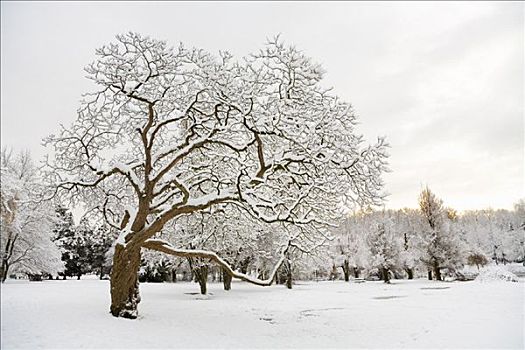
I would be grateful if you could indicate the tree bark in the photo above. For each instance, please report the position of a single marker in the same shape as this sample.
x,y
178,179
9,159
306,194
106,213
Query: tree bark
x,y
289,280
386,276
226,280
201,275
5,268
356,272
346,270
430,275
437,272
410,274
124,282
288,274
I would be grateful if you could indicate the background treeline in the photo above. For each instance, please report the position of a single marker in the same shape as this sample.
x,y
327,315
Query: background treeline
x,y
40,239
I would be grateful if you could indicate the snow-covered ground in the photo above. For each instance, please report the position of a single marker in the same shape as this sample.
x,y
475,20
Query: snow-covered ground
x,y
406,314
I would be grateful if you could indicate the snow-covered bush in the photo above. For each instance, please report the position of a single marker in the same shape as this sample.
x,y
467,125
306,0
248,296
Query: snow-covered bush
x,y
495,273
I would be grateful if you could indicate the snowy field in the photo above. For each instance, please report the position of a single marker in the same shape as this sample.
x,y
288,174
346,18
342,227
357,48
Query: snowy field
x,y
408,314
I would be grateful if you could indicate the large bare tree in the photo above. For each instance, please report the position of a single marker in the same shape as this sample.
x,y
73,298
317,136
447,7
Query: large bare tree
x,y
173,131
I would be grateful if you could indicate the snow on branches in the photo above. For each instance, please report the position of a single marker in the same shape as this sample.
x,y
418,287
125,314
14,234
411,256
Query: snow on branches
x,y
26,221
173,131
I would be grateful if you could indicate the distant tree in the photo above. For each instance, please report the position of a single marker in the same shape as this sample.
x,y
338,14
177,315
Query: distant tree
x,y
26,221
441,244
77,250
383,243
103,236
477,259
158,267
349,248
63,232
408,225
497,234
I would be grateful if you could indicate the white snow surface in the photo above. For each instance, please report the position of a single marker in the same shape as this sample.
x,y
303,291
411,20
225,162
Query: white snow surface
x,y
406,314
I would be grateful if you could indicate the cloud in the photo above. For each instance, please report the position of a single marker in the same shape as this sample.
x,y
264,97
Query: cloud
x,y
443,81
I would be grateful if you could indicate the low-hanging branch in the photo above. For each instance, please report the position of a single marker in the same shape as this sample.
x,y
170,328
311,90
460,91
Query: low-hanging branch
x,y
165,247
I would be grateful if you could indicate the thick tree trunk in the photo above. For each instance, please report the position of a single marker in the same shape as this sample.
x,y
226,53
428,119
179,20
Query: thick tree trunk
x,y
124,282
356,272
430,275
201,275
437,272
289,280
410,274
226,280
346,270
386,276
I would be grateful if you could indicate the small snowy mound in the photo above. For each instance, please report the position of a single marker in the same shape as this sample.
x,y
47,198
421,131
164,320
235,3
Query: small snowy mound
x,y
496,273
517,269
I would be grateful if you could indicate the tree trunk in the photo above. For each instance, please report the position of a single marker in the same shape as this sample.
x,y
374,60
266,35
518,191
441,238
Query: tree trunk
x,y
78,276
243,266
124,282
410,274
386,276
288,274
101,276
356,272
201,274
5,267
289,280
430,275
437,272
226,280
346,270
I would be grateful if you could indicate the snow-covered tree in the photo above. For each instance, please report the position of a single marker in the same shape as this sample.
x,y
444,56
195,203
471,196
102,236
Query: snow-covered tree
x,y
64,232
26,221
349,249
495,234
103,236
384,244
83,246
409,225
76,250
171,132
442,247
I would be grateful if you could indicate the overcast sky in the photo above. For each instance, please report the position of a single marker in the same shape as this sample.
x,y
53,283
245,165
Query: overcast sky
x,y
443,81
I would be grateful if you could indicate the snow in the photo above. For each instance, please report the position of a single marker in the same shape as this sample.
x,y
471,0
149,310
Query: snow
x,y
408,314
495,273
